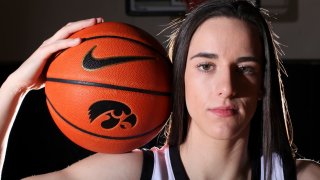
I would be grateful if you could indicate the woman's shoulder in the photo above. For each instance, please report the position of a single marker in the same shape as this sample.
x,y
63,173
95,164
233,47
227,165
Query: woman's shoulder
x,y
110,166
102,166
308,169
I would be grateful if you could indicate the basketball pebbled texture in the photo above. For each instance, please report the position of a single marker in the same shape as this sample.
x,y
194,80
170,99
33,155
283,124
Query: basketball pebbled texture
x,y
111,93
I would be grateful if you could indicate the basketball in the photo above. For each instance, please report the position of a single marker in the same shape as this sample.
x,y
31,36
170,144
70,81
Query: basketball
x,y
111,93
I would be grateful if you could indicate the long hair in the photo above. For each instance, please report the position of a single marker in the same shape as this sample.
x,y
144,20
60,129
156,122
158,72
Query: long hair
x,y
270,127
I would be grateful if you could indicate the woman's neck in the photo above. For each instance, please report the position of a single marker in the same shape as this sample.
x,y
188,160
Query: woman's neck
x,y
208,158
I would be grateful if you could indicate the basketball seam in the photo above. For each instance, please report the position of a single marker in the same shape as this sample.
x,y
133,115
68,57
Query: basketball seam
x,y
109,86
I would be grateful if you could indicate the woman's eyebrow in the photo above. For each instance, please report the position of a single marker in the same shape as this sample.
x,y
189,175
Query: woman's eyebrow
x,y
248,59
215,56
205,55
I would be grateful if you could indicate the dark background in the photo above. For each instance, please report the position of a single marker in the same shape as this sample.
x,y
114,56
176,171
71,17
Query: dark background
x,y
37,146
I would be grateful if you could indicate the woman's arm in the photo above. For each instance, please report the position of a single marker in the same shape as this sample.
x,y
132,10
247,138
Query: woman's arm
x,y
100,166
30,76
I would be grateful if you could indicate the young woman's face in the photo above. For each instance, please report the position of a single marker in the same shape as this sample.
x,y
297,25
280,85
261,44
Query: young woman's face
x,y
223,77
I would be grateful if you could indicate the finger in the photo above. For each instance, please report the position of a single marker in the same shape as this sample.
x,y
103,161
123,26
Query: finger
x,y
44,52
36,62
91,21
73,27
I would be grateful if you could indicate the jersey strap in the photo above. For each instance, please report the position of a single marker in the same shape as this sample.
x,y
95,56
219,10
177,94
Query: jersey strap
x,y
177,165
148,163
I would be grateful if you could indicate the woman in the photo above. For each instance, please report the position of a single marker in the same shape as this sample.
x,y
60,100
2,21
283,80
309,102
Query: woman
x,y
229,118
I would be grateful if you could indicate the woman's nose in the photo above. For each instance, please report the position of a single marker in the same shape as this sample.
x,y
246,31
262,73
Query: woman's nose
x,y
225,84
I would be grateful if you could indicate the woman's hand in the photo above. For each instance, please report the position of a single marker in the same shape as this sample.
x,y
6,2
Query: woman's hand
x,y
30,74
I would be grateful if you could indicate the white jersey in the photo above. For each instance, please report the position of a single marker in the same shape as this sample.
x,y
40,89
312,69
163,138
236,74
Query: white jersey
x,y
165,164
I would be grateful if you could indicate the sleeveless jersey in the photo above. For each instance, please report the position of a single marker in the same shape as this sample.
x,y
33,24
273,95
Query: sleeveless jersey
x,y
165,164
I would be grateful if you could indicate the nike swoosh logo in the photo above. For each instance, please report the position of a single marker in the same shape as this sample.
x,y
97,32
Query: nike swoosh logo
x,y
91,63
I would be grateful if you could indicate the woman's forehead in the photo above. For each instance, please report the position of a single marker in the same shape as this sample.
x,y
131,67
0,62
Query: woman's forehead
x,y
223,34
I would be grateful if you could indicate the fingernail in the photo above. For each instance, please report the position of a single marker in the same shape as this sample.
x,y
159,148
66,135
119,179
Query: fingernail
x,y
100,20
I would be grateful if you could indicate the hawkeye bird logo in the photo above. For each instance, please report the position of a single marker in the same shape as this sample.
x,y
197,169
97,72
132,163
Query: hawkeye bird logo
x,y
112,113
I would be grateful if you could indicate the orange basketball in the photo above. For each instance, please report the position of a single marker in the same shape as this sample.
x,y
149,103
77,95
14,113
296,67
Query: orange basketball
x,y
111,93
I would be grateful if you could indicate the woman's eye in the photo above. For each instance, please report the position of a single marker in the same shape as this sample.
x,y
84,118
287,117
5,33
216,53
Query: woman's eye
x,y
205,67
246,69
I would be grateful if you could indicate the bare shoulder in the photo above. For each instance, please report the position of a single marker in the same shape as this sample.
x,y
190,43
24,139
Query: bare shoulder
x,y
308,169
101,166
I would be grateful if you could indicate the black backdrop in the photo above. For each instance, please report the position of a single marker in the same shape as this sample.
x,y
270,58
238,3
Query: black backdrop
x,y
37,146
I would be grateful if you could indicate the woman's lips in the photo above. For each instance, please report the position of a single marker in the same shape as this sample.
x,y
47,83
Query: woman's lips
x,y
224,111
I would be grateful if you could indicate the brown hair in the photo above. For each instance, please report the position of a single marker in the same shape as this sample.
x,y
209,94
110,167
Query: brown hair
x,y
270,126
